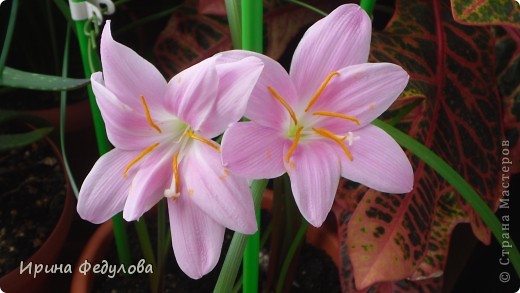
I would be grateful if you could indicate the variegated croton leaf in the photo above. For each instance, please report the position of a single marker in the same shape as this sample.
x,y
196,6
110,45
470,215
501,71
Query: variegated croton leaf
x,y
482,12
388,237
508,72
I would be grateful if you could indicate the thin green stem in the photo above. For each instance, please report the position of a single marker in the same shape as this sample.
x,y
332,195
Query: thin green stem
x,y
404,111
308,6
234,16
456,180
147,250
290,254
8,35
368,6
229,271
63,107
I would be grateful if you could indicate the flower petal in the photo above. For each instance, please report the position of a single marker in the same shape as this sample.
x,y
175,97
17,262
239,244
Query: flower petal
x,y
128,75
126,128
236,82
196,237
363,91
314,170
340,39
104,191
378,162
149,183
253,151
219,193
192,93
263,108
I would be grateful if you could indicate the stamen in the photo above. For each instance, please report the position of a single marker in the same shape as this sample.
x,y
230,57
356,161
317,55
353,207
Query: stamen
x,y
294,144
148,116
176,172
338,115
139,157
328,134
284,104
202,139
320,90
174,190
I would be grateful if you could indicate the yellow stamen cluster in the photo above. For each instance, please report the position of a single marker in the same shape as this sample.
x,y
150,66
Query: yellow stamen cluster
x,y
322,132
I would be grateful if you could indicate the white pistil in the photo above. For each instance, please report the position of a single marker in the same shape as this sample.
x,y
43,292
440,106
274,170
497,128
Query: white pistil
x,y
351,138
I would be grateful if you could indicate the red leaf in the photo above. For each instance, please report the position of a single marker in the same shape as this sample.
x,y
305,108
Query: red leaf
x,y
393,237
482,12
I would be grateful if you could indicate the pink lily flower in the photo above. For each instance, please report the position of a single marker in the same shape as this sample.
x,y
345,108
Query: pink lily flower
x,y
162,136
314,123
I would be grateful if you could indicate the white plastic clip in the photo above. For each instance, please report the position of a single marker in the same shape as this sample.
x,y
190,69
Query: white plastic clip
x,y
87,9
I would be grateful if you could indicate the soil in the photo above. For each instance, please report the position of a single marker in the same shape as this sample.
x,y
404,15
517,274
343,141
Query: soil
x,y
32,193
316,273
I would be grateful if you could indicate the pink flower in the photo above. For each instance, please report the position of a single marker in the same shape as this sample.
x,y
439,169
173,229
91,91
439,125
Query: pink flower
x,y
162,136
314,123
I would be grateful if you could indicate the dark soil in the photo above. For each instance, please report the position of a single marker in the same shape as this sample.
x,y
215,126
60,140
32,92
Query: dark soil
x,y
316,273
32,193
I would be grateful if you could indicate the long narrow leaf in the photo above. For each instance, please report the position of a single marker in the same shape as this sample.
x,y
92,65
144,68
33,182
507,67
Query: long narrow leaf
x,y
28,80
11,141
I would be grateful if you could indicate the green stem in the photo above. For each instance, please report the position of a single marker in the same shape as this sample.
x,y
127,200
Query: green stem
x,y
453,178
121,237
290,254
147,250
252,39
368,6
229,271
8,36
310,7
63,108
234,16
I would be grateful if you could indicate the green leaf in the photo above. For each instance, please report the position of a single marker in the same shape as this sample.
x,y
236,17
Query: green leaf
x,y
11,141
21,79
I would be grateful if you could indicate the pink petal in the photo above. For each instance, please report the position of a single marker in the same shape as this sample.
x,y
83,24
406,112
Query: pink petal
x,y
196,237
192,93
263,108
236,82
253,151
314,170
126,128
128,75
149,183
104,191
378,162
222,195
340,39
363,91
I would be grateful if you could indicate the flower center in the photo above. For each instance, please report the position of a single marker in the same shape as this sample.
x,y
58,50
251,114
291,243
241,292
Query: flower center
x,y
295,129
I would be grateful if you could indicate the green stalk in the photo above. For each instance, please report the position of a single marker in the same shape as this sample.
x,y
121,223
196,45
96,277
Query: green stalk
x,y
90,59
63,108
147,250
455,180
368,6
8,36
252,39
229,271
290,254
233,9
